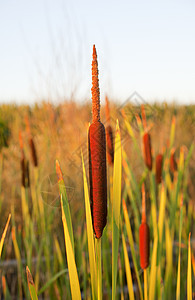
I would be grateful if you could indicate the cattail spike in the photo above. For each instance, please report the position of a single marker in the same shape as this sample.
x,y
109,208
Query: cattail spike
x,y
95,88
143,204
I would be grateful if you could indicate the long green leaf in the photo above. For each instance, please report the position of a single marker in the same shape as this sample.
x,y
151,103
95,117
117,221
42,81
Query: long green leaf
x,y
189,274
62,189
51,280
73,275
90,235
116,207
131,243
128,271
153,271
31,285
4,234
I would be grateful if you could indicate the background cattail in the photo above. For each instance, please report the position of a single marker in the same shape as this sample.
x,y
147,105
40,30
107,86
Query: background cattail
x,y
147,151
109,136
31,143
159,161
173,164
25,176
97,158
33,152
144,236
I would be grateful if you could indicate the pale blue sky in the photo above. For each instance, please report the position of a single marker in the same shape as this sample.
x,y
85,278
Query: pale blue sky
x,y
143,46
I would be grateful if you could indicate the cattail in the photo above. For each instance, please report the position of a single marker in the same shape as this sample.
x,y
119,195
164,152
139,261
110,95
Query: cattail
x,y
144,236
25,177
159,161
147,152
31,143
173,164
33,152
97,158
109,136
22,161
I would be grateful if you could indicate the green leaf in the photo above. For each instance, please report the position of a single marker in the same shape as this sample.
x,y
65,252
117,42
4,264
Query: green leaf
x,y
31,285
51,280
189,274
116,207
73,275
90,235
128,271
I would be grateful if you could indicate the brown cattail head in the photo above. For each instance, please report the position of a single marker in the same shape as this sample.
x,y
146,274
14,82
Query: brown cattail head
x,y
97,158
95,88
144,236
25,178
33,152
173,164
147,150
109,145
159,161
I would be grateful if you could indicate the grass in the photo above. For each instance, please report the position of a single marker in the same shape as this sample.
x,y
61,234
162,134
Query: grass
x,y
37,222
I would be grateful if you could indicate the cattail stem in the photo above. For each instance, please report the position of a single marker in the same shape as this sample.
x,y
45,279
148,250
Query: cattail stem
x,y
145,285
143,204
99,268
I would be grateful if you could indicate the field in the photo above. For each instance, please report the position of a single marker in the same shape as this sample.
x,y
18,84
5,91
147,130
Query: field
x,y
35,234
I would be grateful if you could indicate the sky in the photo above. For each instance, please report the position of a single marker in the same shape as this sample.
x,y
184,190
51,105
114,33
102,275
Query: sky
x,y
142,46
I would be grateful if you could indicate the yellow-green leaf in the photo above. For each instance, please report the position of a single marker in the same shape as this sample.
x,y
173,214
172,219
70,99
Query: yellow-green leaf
x,y
90,234
116,207
189,275
128,271
153,270
4,234
31,285
73,275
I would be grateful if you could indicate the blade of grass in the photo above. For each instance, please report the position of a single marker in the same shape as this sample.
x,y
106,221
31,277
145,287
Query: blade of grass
x,y
128,271
4,234
153,270
116,207
179,256
189,274
31,285
169,263
73,275
5,289
51,280
131,243
90,234
66,208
